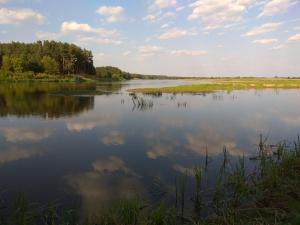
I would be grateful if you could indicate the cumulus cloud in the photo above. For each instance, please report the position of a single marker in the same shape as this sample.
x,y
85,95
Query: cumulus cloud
x,y
150,50
73,26
161,4
294,38
96,40
175,33
159,16
111,13
184,52
219,13
18,16
265,28
266,41
274,7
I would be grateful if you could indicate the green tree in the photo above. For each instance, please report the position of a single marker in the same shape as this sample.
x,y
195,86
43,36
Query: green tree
x,y
6,63
18,64
50,65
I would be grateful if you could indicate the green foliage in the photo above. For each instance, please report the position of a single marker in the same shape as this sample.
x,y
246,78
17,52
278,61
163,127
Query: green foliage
x,y
22,213
50,65
18,64
6,64
111,73
48,56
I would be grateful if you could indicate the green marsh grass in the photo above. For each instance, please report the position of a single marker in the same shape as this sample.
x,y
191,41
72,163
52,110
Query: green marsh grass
x,y
212,85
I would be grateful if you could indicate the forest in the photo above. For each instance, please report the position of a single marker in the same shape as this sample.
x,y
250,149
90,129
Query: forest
x,y
49,57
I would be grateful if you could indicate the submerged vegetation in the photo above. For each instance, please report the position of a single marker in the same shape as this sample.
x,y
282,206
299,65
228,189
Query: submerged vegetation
x,y
225,85
268,195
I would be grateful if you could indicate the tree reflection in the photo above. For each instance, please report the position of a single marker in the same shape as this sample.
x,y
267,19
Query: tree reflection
x,y
44,100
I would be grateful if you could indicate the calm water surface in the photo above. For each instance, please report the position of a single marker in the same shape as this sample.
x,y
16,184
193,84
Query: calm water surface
x,y
84,149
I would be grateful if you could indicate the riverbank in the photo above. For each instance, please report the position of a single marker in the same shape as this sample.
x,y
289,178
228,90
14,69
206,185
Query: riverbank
x,y
228,84
42,77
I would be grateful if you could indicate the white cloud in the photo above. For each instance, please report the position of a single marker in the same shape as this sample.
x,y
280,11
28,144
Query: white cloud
x,y
72,26
150,18
175,33
159,16
47,35
165,3
4,1
274,7
265,28
184,52
295,38
277,47
180,8
112,13
266,41
18,16
150,50
96,40
217,13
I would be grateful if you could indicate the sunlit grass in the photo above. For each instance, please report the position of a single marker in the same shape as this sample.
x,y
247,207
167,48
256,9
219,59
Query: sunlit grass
x,y
225,85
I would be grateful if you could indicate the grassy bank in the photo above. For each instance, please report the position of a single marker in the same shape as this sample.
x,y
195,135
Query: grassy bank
x,y
42,77
212,85
267,196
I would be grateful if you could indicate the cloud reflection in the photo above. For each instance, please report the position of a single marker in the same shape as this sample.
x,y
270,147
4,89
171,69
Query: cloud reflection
x,y
160,150
110,179
113,138
18,135
214,140
90,122
14,154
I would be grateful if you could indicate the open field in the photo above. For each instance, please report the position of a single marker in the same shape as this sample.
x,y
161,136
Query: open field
x,y
211,85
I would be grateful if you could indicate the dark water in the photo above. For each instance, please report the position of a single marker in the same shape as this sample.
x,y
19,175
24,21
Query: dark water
x,y
86,148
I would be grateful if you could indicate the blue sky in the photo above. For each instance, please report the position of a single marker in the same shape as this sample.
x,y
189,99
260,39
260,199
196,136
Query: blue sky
x,y
174,37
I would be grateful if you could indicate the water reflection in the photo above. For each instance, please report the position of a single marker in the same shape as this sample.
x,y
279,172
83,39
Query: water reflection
x,y
113,138
24,135
98,149
17,153
109,180
32,99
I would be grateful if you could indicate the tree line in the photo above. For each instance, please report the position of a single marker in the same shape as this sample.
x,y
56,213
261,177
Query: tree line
x,y
46,57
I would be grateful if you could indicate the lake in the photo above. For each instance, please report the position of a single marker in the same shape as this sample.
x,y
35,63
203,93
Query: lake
x,y
83,146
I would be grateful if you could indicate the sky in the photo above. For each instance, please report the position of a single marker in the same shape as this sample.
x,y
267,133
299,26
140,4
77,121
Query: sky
x,y
172,37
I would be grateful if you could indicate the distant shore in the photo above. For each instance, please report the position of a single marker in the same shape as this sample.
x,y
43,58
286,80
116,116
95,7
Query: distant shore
x,y
225,84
